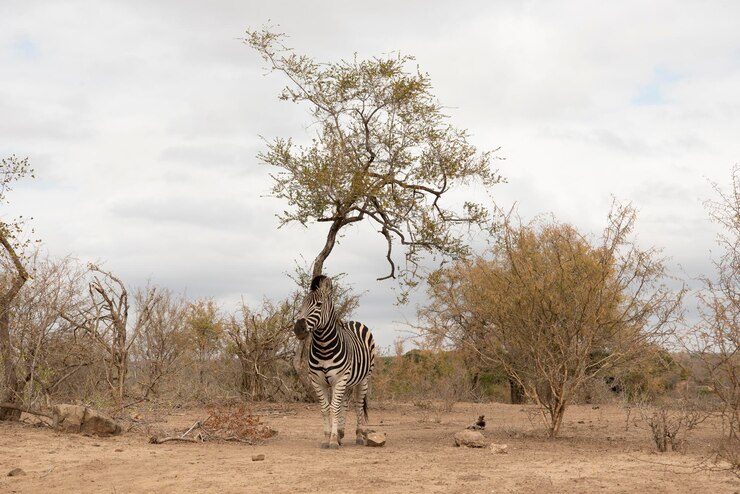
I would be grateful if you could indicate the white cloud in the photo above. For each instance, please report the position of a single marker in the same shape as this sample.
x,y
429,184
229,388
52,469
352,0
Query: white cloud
x,y
143,120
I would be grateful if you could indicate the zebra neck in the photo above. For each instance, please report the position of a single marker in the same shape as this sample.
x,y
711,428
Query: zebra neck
x,y
329,332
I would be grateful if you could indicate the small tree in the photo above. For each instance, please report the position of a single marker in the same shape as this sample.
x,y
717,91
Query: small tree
x,y
163,338
205,329
719,329
553,308
45,344
11,169
383,151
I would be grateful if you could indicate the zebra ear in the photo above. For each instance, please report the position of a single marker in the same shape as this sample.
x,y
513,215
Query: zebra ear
x,y
326,285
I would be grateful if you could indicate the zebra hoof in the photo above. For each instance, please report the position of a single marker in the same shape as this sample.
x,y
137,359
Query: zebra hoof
x,y
333,446
359,441
324,445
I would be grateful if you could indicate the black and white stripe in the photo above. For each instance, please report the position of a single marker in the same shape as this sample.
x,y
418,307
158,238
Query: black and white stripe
x,y
341,360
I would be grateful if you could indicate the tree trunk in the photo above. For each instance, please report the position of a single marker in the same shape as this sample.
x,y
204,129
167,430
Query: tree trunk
x,y
12,385
300,365
331,238
516,392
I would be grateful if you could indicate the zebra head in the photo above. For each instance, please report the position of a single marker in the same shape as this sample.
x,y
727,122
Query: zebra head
x,y
317,309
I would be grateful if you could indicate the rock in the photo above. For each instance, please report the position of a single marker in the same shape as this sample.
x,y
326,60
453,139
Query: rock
x,y
78,418
258,457
375,439
471,439
100,424
16,472
499,449
68,418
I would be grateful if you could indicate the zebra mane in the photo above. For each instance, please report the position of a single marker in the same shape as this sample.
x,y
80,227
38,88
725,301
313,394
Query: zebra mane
x,y
316,282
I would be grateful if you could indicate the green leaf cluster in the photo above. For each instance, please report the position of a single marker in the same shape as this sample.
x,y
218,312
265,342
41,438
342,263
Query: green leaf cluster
x,y
383,151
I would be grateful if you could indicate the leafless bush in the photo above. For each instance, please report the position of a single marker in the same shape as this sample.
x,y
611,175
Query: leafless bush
x,y
263,343
670,426
104,319
162,343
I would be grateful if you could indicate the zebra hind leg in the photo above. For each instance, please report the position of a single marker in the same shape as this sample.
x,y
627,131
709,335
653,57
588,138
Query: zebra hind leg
x,y
361,410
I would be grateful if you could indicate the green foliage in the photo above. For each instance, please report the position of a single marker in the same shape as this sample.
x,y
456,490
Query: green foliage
x,y
428,374
654,375
383,151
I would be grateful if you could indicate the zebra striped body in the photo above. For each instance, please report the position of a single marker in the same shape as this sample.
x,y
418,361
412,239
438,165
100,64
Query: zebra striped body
x,y
341,361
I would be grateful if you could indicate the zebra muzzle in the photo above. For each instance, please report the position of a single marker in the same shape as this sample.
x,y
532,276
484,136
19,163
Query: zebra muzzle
x,y
300,329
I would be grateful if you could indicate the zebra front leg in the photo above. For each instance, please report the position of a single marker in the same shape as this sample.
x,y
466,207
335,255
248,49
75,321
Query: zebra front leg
x,y
361,410
323,393
337,406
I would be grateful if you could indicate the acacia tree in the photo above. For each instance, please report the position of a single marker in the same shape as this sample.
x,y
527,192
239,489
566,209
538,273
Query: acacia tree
x,y
11,169
554,308
383,151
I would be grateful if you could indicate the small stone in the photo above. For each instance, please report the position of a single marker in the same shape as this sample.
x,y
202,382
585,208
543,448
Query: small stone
x,y
375,439
16,472
499,449
471,439
258,457
119,450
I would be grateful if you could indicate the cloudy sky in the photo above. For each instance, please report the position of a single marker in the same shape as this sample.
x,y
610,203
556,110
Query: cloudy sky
x,y
143,119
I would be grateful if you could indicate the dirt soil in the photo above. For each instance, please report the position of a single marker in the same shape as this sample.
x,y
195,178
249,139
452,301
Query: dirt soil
x,y
594,454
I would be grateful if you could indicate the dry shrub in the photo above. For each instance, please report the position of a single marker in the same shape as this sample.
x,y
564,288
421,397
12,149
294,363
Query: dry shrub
x,y
236,423
671,426
728,450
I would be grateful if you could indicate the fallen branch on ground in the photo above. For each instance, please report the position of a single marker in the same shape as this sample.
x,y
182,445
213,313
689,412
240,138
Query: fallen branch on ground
x,y
225,424
160,440
21,408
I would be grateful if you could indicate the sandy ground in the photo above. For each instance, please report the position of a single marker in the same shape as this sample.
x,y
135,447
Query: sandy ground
x,y
594,454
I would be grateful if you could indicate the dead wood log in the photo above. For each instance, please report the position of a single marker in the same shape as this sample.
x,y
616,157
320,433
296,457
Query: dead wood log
x,y
21,408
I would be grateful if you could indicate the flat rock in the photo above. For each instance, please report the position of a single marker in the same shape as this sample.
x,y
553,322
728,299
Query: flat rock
x,y
375,439
16,472
470,439
259,457
499,449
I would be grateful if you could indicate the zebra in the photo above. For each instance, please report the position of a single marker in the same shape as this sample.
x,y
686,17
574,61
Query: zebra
x,y
341,360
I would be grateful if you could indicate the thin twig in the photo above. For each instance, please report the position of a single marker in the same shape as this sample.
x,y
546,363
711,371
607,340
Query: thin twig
x,y
197,424
47,473
160,440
